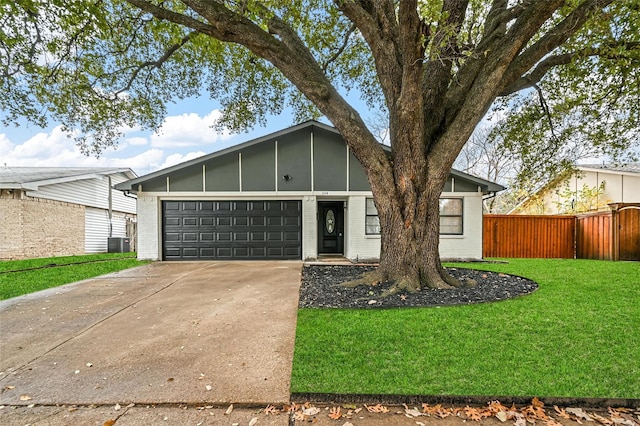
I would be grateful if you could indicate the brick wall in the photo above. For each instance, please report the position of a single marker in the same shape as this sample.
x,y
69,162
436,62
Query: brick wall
x,y
35,227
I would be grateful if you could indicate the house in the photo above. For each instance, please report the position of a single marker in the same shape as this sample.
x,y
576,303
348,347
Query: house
x,y
293,194
61,211
590,188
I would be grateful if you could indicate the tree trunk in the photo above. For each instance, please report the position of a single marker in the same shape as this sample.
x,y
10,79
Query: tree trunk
x,y
409,253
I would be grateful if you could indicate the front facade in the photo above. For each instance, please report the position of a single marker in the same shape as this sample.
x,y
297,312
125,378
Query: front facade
x,y
590,188
62,211
295,194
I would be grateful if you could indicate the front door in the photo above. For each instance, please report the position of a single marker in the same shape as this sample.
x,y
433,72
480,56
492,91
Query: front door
x,y
330,227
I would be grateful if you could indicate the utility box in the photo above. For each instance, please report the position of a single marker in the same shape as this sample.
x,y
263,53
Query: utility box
x,y
118,245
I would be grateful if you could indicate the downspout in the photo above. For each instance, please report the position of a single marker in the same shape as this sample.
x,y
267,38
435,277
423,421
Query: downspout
x,y
110,208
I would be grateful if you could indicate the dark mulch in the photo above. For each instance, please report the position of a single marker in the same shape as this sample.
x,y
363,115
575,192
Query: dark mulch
x,y
319,289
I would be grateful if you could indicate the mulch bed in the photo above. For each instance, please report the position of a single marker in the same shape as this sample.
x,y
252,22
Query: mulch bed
x,y
320,290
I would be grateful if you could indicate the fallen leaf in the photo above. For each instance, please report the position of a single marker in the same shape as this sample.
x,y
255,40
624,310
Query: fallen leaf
x,y
578,412
9,387
502,416
253,421
552,422
412,412
602,420
311,411
562,412
229,410
378,408
473,413
110,422
271,409
520,420
334,413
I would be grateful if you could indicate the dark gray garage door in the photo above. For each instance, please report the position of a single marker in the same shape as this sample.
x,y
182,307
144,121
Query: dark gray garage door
x,y
218,230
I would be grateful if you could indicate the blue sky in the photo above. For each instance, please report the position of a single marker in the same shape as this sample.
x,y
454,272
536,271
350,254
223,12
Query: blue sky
x,y
185,134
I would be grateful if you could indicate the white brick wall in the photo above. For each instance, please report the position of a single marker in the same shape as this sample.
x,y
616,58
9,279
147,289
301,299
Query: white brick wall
x,y
149,228
468,245
360,246
309,228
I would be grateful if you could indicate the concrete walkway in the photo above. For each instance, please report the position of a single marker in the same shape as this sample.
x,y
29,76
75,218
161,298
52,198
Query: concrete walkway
x,y
202,334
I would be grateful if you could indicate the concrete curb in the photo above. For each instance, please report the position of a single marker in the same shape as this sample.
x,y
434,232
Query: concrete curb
x,y
325,398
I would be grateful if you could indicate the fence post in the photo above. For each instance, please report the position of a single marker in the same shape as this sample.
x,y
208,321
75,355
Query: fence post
x,y
615,232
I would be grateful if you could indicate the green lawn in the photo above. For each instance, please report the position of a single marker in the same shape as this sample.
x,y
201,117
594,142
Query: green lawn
x,y
577,336
55,271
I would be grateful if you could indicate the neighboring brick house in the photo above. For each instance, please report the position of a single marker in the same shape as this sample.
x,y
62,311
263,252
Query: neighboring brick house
x,y
591,188
61,211
294,194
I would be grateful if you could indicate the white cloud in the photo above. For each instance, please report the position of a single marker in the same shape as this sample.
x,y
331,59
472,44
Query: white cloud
x,y
174,159
55,149
188,130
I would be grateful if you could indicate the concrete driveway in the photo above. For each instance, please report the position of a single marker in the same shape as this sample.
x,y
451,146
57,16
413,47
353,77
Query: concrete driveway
x,y
164,333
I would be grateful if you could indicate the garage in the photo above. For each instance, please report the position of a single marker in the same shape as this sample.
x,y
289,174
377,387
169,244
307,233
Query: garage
x,y
231,230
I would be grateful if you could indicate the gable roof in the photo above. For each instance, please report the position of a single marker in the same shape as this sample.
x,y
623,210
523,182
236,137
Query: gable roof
x,y
630,168
310,125
30,178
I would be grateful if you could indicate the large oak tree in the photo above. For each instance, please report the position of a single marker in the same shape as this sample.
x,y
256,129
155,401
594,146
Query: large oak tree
x,y
434,67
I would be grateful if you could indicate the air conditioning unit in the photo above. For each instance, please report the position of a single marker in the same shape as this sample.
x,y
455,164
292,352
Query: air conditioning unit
x,y
118,245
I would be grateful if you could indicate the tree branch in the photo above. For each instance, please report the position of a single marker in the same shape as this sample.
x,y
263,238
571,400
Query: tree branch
x,y
156,64
535,76
377,24
552,39
341,49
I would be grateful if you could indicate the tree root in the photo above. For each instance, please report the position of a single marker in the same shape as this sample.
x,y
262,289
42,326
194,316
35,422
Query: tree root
x,y
370,278
406,285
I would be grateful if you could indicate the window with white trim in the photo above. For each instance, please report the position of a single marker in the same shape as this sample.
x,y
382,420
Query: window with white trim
x,y
372,221
451,214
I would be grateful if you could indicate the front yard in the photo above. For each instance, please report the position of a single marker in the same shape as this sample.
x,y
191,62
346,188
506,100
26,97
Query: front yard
x,y
577,336
18,277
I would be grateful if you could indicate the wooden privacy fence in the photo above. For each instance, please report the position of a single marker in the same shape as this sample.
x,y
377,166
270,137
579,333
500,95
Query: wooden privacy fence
x,y
612,235
528,236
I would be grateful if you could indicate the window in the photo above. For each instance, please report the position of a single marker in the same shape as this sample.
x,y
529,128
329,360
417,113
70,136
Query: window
x,y
372,222
450,217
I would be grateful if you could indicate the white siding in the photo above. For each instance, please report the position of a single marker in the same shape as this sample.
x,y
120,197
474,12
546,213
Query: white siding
x,y
96,229
93,192
149,227
121,202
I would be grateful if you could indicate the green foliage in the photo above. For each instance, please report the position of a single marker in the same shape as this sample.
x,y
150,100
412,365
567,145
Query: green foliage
x,y
577,336
586,199
101,67
585,108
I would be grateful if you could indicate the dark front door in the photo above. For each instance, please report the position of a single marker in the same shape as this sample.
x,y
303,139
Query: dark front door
x,y
330,227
